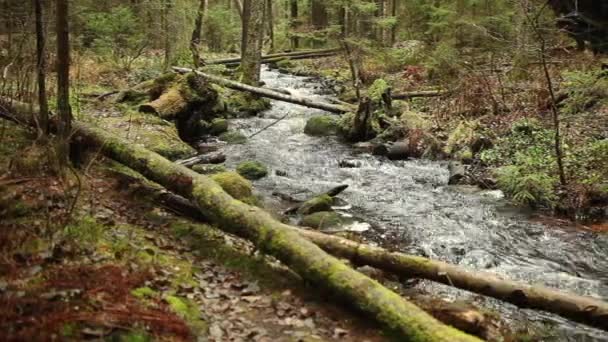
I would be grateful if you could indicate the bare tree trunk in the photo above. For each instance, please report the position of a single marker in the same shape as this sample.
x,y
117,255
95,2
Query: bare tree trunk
x,y
270,23
165,11
63,81
43,117
394,28
239,7
195,42
293,24
253,37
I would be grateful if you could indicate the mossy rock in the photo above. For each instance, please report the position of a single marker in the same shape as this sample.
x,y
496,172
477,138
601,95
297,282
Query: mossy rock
x,y
319,203
148,131
235,185
322,220
144,292
209,169
218,126
241,103
321,126
252,170
233,137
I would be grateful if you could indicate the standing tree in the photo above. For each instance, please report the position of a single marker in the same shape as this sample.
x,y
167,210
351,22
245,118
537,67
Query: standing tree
x,y
43,116
63,81
253,34
293,24
195,42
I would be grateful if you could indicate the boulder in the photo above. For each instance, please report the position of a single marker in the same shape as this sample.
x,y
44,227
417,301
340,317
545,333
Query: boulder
x,y
399,151
322,220
233,137
321,126
218,126
458,173
252,170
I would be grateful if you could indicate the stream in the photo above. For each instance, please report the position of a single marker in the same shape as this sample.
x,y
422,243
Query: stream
x,y
411,208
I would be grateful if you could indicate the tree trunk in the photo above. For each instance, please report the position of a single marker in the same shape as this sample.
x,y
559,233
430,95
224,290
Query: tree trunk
x,y
195,42
585,310
277,56
63,82
251,57
43,117
270,23
267,93
274,238
165,11
293,24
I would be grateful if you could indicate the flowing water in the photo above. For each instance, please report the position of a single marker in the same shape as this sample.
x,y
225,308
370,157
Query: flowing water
x,y
412,209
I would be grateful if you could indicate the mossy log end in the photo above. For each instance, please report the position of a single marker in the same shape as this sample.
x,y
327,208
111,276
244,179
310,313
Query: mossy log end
x,y
277,239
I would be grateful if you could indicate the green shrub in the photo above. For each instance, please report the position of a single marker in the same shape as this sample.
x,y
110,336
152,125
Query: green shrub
x,y
533,189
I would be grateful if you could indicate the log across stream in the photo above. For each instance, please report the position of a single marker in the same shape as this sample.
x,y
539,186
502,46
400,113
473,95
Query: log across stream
x,y
411,209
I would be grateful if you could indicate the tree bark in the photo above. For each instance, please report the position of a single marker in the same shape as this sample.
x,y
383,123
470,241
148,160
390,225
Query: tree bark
x,y
195,42
43,117
582,309
270,23
268,93
293,24
63,81
251,57
274,238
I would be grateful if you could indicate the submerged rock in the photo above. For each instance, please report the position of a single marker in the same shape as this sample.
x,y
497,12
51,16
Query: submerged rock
x,y
252,170
321,126
218,126
322,220
458,173
233,137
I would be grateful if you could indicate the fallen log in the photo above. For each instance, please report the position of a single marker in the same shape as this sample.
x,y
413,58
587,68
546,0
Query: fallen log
x,y
294,54
207,158
586,310
460,315
270,236
417,94
268,93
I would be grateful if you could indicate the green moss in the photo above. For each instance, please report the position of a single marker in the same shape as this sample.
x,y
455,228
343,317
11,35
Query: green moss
x,y
70,329
322,220
233,137
85,231
320,203
187,310
415,120
144,292
135,336
321,126
234,184
462,136
209,169
241,103
218,126
252,170
148,131
378,88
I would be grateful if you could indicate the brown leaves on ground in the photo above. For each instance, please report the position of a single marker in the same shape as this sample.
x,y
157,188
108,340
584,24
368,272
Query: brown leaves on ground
x,y
96,297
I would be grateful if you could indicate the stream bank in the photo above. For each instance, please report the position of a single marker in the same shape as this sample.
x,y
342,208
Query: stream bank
x,y
410,207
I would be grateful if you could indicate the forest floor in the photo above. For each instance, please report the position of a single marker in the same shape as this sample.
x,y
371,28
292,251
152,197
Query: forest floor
x,y
125,269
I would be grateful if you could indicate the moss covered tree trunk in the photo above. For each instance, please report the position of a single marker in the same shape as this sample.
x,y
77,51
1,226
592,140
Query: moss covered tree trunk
x,y
279,240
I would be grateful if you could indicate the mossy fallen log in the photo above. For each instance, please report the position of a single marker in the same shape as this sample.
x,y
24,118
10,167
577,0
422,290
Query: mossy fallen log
x,y
277,56
586,310
267,93
274,238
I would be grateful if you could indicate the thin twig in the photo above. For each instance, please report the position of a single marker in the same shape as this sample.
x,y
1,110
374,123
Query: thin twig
x,y
267,127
